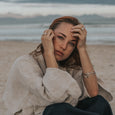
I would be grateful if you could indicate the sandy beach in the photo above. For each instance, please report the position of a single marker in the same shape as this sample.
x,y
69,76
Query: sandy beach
x,y
102,57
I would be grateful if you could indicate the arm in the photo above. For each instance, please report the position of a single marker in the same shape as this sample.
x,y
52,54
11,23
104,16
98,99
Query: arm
x,y
50,87
90,82
50,60
47,41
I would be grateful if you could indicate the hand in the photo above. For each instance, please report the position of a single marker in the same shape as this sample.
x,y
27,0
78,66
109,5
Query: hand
x,y
47,41
80,33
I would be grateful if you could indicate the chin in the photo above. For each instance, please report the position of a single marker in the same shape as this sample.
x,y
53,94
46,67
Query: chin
x,y
59,58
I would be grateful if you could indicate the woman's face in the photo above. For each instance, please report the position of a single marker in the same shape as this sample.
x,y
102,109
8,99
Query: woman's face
x,y
64,42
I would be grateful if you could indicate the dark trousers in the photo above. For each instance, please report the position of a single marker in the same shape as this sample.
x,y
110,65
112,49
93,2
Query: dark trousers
x,y
90,106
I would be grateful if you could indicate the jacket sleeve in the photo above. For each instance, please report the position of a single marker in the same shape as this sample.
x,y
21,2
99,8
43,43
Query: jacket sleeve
x,y
55,85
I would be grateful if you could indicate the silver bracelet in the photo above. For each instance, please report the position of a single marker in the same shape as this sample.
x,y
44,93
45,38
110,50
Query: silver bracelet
x,y
86,75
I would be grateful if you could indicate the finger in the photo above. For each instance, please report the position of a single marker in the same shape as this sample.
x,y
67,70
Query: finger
x,y
82,30
76,35
79,26
79,31
76,31
52,35
44,33
85,31
49,32
49,36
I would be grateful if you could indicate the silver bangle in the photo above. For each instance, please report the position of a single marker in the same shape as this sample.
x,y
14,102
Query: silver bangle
x,y
86,75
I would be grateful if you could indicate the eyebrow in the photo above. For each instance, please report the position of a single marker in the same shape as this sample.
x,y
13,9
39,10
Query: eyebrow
x,y
65,36
62,34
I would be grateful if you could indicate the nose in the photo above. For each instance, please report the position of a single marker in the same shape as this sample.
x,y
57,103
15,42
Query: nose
x,y
64,45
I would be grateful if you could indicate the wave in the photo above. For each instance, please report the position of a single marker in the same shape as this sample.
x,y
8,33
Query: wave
x,y
45,20
44,9
63,1
97,34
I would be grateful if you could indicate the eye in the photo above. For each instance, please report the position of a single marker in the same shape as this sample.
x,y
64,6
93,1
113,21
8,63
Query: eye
x,y
72,44
60,37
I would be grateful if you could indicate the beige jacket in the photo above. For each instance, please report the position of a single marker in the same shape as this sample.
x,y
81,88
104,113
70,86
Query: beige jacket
x,y
31,86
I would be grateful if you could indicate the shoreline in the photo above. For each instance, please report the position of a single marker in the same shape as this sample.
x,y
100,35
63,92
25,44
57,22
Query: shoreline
x,y
96,42
102,58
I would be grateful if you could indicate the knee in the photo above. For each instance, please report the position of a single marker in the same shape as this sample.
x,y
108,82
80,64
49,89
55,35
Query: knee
x,y
56,108
102,100
105,104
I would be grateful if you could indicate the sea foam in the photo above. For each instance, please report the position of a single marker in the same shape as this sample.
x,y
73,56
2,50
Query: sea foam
x,y
34,9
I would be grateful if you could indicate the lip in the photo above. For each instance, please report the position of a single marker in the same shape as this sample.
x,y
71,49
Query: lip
x,y
59,53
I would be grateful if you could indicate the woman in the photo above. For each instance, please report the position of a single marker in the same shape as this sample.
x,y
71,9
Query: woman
x,y
57,78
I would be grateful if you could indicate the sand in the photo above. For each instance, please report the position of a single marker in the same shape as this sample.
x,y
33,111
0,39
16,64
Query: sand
x,y
102,57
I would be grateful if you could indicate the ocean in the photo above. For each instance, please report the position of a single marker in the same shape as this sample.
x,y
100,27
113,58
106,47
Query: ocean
x,y
28,19
97,34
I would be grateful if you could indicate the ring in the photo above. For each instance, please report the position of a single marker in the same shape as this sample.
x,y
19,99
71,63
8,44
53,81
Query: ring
x,y
82,28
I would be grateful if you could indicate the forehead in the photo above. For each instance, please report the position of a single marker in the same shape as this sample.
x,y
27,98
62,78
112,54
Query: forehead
x,y
65,29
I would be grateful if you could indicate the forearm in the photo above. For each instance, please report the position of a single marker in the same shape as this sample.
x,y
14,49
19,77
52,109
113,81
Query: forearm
x,y
85,61
91,81
50,60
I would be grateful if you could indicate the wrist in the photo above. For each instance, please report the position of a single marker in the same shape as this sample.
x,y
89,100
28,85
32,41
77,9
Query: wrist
x,y
50,60
82,49
87,74
48,54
